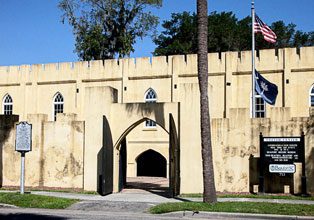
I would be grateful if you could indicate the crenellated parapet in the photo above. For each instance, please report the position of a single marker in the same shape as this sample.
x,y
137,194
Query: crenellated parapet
x,y
266,60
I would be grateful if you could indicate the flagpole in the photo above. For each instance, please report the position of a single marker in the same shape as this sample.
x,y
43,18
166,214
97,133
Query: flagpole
x,y
253,60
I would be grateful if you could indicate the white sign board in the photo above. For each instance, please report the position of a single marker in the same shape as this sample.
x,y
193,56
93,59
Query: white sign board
x,y
23,140
281,168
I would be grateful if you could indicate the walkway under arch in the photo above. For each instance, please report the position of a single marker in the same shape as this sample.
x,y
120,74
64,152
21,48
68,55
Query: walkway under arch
x,y
149,161
118,123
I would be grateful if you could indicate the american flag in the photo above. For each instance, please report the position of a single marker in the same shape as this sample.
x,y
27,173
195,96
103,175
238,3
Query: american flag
x,y
261,27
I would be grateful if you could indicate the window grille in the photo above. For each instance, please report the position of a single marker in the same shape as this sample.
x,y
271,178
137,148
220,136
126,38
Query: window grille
x,y
312,96
150,97
7,105
260,107
58,105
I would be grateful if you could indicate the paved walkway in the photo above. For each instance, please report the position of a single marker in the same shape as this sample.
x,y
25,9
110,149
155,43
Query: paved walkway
x,y
128,196
139,201
153,191
155,198
143,196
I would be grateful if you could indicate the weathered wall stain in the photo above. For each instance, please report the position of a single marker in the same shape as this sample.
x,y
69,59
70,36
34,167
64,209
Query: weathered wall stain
x,y
232,150
245,152
229,175
56,159
7,154
71,168
11,172
76,166
77,127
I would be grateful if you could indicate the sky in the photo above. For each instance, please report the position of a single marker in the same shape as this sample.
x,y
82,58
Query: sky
x,y
32,32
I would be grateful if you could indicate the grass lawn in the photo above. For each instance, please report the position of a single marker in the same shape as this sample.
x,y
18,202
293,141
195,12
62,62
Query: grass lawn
x,y
242,207
50,190
255,196
35,201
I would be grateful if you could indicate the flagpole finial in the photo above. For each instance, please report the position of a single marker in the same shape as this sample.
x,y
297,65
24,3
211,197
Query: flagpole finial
x,y
252,3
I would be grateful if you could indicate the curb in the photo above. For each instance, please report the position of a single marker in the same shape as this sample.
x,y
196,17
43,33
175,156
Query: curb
x,y
227,215
2,205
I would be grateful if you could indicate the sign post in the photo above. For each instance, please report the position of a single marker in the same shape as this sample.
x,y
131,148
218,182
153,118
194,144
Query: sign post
x,y
22,172
23,144
303,177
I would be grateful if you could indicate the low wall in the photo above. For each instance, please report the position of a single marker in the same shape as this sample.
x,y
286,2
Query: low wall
x,y
56,159
236,138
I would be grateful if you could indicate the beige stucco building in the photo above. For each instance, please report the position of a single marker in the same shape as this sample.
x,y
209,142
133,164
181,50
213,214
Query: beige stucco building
x,y
91,128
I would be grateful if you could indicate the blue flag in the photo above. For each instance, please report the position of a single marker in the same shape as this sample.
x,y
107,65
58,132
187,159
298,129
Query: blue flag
x,y
266,89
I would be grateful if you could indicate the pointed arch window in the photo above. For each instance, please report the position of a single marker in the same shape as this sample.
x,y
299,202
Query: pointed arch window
x,y
58,105
7,105
150,97
312,96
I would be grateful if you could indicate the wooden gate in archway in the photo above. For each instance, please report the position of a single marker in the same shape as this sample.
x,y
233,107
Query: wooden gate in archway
x,y
174,158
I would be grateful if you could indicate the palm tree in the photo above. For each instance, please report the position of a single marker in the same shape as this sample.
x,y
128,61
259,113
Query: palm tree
x,y
209,194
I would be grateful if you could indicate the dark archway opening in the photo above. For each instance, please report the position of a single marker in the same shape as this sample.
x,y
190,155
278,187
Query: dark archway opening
x,y
151,163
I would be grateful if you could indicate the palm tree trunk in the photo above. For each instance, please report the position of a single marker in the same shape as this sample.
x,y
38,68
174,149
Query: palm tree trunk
x,y
209,194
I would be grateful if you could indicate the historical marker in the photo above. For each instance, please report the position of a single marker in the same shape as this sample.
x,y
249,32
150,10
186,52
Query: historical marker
x,y
23,144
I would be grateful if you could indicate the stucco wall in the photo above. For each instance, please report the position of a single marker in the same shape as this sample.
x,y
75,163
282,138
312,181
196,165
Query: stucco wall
x,y
32,87
56,159
234,139
65,150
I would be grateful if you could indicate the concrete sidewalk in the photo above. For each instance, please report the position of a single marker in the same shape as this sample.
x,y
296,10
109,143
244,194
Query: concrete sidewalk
x,y
155,198
140,201
149,197
31,214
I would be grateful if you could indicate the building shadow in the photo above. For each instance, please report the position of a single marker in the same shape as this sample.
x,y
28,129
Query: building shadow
x,y
7,123
153,187
24,216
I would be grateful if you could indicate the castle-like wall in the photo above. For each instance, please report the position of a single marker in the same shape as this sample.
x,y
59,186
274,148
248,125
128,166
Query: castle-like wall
x,y
56,159
32,87
237,138
86,92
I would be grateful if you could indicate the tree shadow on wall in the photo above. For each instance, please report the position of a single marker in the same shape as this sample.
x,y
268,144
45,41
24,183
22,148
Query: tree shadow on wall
x,y
309,164
146,109
7,123
309,161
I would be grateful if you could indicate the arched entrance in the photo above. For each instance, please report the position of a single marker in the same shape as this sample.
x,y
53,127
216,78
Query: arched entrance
x,y
151,163
144,159
124,118
172,172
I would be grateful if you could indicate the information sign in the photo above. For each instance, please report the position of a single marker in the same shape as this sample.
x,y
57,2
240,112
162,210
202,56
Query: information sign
x,y
23,141
277,157
279,150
